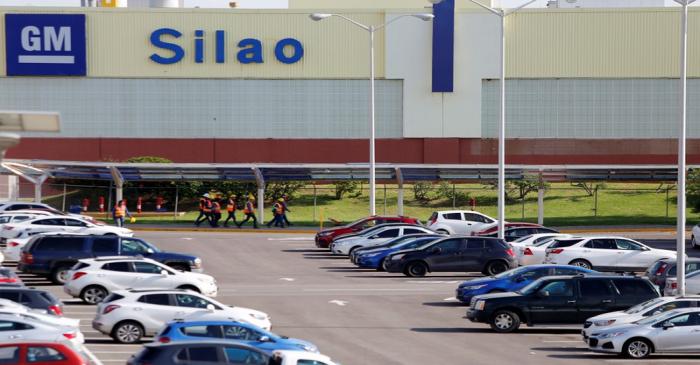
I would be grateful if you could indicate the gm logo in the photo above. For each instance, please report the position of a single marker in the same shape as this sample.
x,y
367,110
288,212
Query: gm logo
x,y
45,44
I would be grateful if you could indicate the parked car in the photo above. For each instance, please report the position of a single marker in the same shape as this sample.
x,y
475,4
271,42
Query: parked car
x,y
93,279
35,315
346,246
200,352
373,257
666,268
392,243
54,255
512,280
640,311
605,253
531,251
59,223
13,327
287,357
454,254
674,331
692,284
368,232
464,222
45,353
9,218
324,238
9,206
560,300
491,230
129,315
229,330
33,298
512,234
695,236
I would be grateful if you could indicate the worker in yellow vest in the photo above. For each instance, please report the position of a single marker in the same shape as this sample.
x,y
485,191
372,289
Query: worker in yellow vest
x,y
278,214
119,212
231,209
249,212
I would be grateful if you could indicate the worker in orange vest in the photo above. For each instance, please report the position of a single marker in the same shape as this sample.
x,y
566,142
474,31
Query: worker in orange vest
x,y
249,212
202,204
215,212
206,209
278,214
231,209
119,212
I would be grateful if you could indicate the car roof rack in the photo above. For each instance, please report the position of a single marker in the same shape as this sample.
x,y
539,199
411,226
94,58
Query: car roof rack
x,y
113,258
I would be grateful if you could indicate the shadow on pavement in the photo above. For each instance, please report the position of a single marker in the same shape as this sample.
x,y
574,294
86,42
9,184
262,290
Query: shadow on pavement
x,y
307,250
445,304
324,257
564,349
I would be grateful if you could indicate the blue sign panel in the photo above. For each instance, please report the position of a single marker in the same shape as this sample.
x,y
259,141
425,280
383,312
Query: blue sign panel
x,y
45,44
443,46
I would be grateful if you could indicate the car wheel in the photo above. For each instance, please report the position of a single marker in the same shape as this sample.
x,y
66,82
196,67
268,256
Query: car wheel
x,y
637,348
496,267
59,275
505,321
353,250
93,294
416,269
127,332
381,265
581,263
189,287
180,267
693,243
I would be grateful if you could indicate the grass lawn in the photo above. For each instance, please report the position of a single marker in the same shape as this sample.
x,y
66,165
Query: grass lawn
x,y
617,204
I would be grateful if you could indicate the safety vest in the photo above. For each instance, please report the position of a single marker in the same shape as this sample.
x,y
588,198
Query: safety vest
x,y
119,211
202,204
207,206
231,207
249,208
216,208
279,208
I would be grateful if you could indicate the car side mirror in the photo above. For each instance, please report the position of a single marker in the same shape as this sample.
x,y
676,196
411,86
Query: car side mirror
x,y
149,251
164,273
264,339
543,294
667,325
436,250
210,307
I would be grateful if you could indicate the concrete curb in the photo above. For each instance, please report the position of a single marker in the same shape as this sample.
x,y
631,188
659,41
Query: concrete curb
x,y
314,231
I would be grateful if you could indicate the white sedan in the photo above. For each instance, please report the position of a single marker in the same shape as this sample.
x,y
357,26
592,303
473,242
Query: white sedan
x,y
345,246
15,326
695,236
530,250
605,253
59,223
93,279
692,284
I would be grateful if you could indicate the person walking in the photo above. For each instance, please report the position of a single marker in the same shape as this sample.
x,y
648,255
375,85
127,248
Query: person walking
x,y
285,199
249,212
277,214
201,217
231,209
119,212
206,210
215,212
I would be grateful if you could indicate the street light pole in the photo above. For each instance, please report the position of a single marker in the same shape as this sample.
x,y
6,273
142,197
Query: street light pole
x,y
502,14
371,29
680,224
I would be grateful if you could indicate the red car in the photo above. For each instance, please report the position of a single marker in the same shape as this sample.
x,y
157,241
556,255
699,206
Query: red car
x,y
494,229
326,236
39,353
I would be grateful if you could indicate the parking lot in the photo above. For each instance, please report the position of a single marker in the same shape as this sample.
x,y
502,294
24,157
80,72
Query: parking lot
x,y
355,316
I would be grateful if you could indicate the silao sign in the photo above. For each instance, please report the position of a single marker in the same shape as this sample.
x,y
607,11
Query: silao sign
x,y
249,50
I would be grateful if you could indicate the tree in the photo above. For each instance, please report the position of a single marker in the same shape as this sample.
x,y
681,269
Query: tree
x,y
346,187
422,192
589,188
692,190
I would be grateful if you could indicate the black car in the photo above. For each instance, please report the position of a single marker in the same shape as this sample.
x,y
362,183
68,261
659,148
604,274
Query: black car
x,y
487,255
201,352
54,255
560,300
664,268
32,298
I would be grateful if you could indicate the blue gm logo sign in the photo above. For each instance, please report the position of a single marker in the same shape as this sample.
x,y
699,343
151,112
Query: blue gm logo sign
x,y
45,44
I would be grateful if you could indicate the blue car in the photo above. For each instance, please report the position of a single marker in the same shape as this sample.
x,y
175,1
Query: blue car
x,y
374,258
513,280
235,331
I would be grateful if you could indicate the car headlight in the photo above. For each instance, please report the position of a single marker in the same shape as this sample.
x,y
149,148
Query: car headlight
x,y
611,334
397,257
604,323
196,263
473,287
480,305
259,317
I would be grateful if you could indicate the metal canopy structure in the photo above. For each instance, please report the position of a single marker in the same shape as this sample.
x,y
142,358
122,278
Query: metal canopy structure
x,y
330,172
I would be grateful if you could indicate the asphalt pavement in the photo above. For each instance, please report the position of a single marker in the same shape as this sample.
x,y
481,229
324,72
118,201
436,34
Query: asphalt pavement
x,y
356,316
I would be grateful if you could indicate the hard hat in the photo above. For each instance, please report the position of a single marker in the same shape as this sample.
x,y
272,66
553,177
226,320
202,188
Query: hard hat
x,y
206,195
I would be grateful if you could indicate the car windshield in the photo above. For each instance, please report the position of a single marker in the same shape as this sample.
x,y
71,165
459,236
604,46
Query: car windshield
x,y
521,239
510,273
644,306
353,224
530,288
657,318
544,243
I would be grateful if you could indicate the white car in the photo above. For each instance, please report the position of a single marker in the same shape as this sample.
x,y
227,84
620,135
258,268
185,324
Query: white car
x,y
605,253
675,331
59,223
640,311
463,222
8,218
346,245
695,236
692,284
525,247
127,316
42,317
93,279
18,327
291,357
